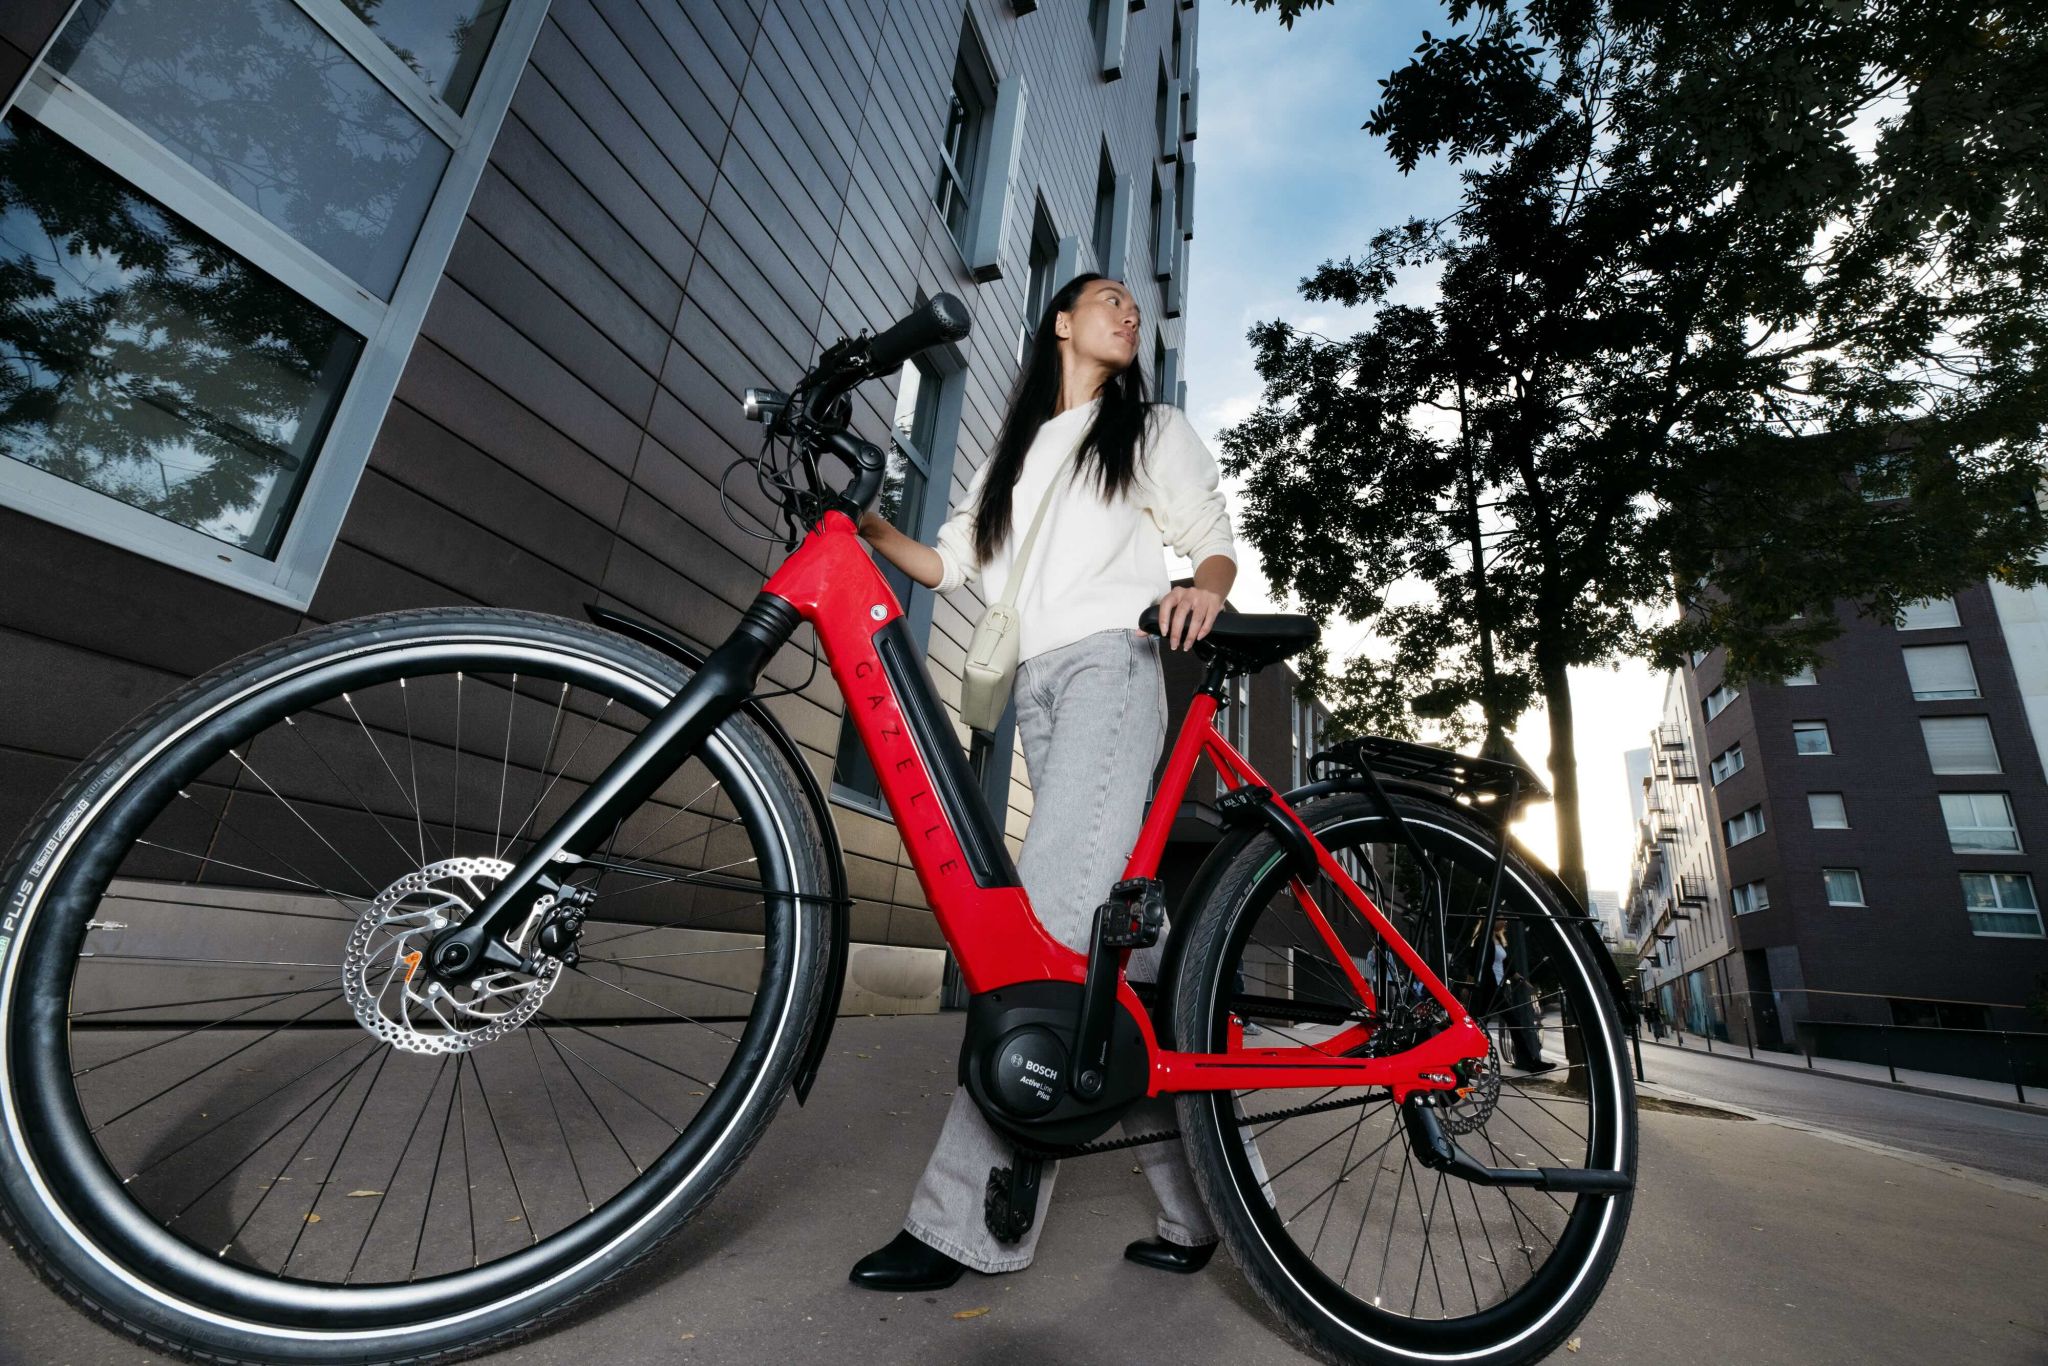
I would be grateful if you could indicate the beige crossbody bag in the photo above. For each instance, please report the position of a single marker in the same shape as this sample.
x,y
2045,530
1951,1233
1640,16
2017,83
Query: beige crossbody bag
x,y
992,654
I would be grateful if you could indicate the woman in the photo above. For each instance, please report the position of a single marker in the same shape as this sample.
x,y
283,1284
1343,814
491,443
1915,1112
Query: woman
x,y
1506,995
1091,706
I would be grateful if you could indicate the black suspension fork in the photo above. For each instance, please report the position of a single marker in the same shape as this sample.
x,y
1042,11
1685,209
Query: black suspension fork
x,y
671,736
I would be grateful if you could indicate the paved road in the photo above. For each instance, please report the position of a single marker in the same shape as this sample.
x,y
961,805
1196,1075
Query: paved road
x,y
2006,1142
1750,1242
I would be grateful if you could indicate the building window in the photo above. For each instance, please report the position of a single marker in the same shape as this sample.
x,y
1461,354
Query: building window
x,y
1751,896
1827,810
965,145
1802,679
1039,284
1237,721
1914,1013
1811,737
2002,905
905,483
1745,826
1940,672
1716,702
1694,657
1959,744
220,239
1106,23
1105,215
1980,822
1928,614
1297,724
1728,761
1844,886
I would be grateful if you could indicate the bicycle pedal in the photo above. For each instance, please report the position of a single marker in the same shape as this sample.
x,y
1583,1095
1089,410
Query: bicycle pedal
x,y
1137,914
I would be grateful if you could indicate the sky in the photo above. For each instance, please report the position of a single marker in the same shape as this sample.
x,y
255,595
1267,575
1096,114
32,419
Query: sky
x,y
1287,180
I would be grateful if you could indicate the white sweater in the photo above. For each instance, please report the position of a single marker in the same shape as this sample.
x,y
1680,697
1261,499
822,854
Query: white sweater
x,y
1095,564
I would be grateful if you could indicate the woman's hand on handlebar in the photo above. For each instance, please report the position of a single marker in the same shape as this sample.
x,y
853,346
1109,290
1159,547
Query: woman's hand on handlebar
x,y
914,558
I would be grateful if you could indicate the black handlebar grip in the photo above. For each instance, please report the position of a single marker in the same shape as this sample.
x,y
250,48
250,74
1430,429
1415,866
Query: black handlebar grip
x,y
943,319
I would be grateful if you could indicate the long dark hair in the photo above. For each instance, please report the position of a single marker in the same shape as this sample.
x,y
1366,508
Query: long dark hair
x,y
1110,445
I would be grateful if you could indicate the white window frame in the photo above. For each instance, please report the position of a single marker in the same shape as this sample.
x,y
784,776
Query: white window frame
x,y
1856,873
92,129
1952,651
1718,701
2010,827
1802,679
1927,608
1749,822
2000,908
1750,898
1997,763
1813,813
1720,767
1825,734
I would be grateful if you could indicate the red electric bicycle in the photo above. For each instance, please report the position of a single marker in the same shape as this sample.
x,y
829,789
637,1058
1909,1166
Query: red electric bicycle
x,y
389,990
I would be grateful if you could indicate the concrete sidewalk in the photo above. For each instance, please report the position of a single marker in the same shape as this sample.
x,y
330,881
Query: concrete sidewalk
x,y
1750,1241
1945,1084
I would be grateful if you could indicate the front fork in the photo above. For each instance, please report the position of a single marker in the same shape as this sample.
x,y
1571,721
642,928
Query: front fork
x,y
671,736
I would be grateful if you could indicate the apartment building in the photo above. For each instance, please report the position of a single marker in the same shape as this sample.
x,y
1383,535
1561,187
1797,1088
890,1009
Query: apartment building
x,y
1876,821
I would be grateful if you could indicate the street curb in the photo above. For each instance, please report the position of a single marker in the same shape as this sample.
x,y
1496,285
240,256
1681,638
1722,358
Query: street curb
x,y
2028,1108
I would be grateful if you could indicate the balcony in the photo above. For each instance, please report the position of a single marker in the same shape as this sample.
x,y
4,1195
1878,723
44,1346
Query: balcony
x,y
1692,890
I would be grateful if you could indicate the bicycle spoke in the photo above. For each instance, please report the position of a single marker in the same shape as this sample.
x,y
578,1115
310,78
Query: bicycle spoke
x,y
560,1128
320,1189
397,1165
628,991
505,768
293,726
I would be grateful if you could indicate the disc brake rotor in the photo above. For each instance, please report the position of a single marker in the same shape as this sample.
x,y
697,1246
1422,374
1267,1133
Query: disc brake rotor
x,y
383,974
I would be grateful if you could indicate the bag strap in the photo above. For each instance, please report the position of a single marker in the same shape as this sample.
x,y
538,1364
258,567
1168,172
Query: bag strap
x,y
1009,598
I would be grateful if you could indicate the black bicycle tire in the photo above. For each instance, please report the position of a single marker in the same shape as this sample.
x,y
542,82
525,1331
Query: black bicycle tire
x,y
81,1276
1315,1327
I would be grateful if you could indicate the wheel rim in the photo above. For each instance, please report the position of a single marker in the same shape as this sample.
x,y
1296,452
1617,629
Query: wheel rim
x,y
584,1089
1397,1255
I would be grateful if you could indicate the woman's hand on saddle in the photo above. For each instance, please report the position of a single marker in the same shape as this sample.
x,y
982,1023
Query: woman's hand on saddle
x,y
1186,614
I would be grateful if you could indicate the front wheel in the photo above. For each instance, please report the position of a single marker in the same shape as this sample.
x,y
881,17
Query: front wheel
x,y
237,1119
1365,1253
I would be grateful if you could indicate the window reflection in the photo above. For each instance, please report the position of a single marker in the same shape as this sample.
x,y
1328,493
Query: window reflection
x,y
146,362
443,41
262,102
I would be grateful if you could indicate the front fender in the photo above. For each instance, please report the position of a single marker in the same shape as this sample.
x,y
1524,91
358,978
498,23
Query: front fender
x,y
835,858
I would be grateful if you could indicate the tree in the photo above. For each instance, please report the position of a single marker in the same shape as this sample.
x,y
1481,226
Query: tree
x,y
1688,331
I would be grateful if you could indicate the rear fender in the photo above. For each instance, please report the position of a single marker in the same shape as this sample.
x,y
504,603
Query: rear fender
x,y
835,858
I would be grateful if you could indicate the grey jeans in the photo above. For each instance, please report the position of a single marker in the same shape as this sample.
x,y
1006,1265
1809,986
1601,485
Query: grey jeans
x,y
1093,717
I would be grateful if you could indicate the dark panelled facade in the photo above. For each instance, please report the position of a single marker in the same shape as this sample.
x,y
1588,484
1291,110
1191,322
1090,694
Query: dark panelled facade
x,y
686,197
1911,941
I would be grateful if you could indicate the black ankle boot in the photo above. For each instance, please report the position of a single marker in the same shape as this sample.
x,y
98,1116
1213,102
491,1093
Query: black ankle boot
x,y
1157,1252
907,1263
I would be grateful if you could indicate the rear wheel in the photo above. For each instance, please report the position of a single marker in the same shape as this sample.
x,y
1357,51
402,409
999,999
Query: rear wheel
x,y
1364,1252
239,1116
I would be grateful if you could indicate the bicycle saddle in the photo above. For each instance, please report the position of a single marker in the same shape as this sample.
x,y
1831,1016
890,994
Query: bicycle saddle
x,y
1247,640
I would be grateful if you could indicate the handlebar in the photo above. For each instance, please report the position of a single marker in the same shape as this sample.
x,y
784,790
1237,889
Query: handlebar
x,y
813,411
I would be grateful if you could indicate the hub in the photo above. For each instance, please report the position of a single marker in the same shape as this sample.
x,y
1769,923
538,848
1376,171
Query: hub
x,y
387,981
